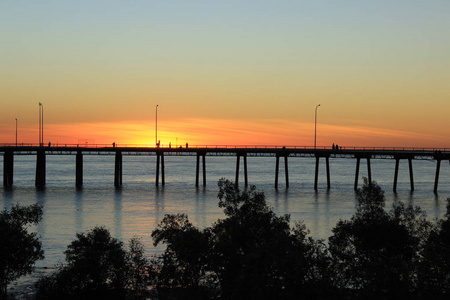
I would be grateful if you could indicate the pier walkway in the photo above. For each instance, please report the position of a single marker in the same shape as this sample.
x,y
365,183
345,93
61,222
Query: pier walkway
x,y
284,152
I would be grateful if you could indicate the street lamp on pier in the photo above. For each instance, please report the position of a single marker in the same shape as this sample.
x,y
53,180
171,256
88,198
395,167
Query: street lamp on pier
x,y
16,132
41,124
156,129
315,127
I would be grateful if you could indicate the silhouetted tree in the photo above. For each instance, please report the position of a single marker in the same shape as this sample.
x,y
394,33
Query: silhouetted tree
x,y
434,275
98,267
376,253
251,254
182,270
19,249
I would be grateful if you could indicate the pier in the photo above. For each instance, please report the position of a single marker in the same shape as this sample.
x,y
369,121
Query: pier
x,y
240,152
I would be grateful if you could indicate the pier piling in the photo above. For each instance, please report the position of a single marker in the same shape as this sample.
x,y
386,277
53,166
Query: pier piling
x,y
238,159
286,168
197,173
9,153
327,159
369,171
118,170
160,162
8,169
40,168
358,160
436,177
397,162
316,174
79,170
411,177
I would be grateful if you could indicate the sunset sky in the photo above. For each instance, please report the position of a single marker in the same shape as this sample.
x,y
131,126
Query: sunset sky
x,y
227,72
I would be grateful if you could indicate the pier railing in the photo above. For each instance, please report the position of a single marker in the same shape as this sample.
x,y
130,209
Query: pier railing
x,y
183,146
201,151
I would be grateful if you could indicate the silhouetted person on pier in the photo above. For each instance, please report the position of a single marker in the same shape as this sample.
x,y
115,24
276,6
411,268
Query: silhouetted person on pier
x,y
333,146
49,144
170,145
337,147
187,145
114,145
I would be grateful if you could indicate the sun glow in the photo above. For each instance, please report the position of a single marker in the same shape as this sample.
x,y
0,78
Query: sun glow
x,y
222,132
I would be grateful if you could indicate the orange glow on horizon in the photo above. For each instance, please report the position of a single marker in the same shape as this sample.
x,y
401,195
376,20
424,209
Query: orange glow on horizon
x,y
215,132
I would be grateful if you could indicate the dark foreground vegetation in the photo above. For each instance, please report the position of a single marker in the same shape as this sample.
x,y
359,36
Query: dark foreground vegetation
x,y
254,254
19,249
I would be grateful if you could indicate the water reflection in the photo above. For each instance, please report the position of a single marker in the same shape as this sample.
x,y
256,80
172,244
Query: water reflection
x,y
200,207
41,199
79,214
159,205
118,213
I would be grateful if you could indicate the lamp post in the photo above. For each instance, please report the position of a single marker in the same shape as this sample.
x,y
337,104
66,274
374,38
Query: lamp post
x,y
16,132
41,124
315,127
156,129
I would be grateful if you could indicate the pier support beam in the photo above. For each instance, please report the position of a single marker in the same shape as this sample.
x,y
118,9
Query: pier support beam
x,y
238,159
197,173
369,171
358,160
316,173
397,162
40,169
411,177
286,168
118,170
436,177
160,161
327,159
79,170
8,169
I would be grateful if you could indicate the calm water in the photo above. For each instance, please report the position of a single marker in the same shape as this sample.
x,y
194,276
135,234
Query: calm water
x,y
139,206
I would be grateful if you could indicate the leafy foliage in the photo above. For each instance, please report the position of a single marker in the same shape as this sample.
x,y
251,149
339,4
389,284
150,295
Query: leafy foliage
x,y
97,267
254,254
435,269
251,254
19,249
376,253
